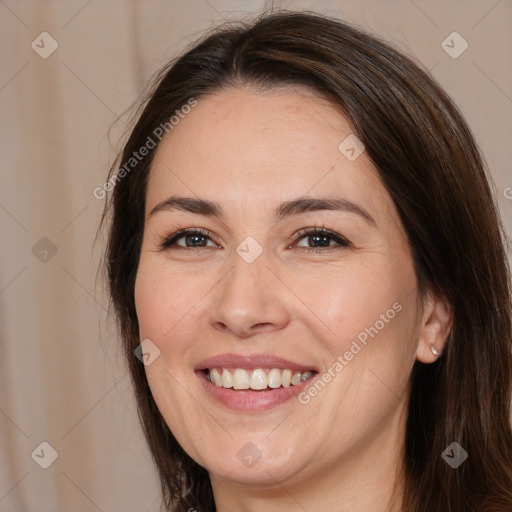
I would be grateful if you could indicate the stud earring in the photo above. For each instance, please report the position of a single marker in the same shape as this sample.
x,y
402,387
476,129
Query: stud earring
x,y
434,350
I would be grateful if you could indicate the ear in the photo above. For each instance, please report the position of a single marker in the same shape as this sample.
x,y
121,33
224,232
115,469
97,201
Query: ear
x,y
434,328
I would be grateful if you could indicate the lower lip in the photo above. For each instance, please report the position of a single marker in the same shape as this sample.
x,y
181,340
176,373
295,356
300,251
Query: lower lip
x,y
250,400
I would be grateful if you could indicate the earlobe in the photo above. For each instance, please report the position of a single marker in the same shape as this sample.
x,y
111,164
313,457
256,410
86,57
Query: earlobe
x,y
435,325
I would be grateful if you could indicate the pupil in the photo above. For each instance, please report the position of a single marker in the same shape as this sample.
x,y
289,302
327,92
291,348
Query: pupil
x,y
194,239
325,238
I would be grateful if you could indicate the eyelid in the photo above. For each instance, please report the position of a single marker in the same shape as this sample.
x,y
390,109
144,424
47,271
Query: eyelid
x,y
341,240
169,240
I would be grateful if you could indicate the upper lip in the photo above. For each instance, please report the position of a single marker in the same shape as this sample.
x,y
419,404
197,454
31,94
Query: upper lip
x,y
251,362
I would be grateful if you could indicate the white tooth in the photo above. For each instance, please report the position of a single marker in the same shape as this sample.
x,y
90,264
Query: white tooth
x,y
215,377
306,375
286,378
296,379
227,379
274,378
258,379
240,379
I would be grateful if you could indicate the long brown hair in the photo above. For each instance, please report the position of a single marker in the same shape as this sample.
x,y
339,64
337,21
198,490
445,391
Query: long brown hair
x,y
429,163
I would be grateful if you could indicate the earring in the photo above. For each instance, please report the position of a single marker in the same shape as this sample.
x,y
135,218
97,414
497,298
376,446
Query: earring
x,y
434,350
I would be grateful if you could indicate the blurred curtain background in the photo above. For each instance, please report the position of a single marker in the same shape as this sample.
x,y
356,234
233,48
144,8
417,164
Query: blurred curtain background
x,y
68,73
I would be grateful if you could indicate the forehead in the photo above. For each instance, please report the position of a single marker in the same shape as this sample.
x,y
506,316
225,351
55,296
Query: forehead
x,y
246,147
234,120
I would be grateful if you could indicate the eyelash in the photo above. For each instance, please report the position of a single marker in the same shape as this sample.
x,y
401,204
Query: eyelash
x,y
170,241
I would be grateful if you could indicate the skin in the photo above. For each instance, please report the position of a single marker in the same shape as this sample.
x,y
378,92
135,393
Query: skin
x,y
250,151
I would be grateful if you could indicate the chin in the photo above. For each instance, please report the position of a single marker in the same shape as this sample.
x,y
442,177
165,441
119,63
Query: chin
x,y
259,463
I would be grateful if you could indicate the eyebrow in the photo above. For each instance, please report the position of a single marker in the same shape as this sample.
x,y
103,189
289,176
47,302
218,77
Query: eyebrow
x,y
286,209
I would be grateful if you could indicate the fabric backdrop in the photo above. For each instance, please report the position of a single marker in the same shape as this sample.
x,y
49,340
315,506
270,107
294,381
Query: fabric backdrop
x,y
68,73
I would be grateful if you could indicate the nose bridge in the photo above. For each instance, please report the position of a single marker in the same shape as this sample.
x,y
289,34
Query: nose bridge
x,y
244,284
246,301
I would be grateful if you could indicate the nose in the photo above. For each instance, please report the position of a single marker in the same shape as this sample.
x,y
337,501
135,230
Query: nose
x,y
249,300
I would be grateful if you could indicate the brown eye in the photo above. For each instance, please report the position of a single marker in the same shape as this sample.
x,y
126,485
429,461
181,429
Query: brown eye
x,y
316,238
191,238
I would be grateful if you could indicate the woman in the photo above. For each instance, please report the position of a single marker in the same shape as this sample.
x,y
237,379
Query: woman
x,y
305,254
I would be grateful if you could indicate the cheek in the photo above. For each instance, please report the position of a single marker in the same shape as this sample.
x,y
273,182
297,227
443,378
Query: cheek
x,y
367,317
151,299
371,317
165,301
347,300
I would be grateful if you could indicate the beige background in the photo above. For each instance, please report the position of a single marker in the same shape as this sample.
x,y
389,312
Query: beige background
x,y
61,376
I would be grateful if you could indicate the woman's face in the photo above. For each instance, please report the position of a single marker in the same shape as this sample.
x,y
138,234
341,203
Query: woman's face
x,y
256,294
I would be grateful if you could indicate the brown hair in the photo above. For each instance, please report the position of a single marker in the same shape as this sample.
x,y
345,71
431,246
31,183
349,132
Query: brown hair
x,y
430,165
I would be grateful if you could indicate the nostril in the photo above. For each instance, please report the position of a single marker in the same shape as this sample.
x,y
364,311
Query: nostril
x,y
260,325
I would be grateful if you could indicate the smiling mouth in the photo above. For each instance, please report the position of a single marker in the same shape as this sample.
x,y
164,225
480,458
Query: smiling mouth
x,y
259,379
